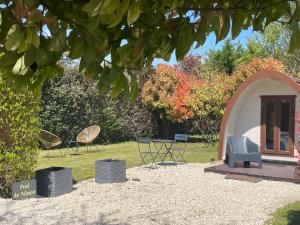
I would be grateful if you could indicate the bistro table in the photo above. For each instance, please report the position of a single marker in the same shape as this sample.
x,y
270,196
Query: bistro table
x,y
163,148
74,148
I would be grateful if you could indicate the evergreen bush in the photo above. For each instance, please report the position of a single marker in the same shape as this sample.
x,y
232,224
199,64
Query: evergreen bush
x,y
18,135
70,103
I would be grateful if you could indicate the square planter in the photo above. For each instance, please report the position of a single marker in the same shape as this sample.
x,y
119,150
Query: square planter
x,y
54,181
110,171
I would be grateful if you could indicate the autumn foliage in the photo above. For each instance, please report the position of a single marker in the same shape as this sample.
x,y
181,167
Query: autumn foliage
x,y
179,97
167,91
246,70
207,98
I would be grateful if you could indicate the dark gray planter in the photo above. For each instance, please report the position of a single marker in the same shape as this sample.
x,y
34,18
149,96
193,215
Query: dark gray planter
x,y
110,171
54,181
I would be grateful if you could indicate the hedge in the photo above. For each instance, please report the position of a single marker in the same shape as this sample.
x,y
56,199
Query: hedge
x,y
18,135
70,103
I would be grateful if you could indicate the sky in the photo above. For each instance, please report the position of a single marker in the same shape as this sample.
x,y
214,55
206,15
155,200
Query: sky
x,y
208,45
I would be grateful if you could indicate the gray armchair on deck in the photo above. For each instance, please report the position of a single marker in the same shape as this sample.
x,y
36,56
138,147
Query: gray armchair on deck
x,y
241,148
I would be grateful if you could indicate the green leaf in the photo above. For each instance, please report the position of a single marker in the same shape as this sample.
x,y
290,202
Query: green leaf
x,y
114,73
129,54
103,84
39,78
43,57
25,43
88,58
134,90
33,37
120,84
133,11
77,46
0,19
109,6
29,57
166,50
14,38
35,40
237,19
184,40
92,70
124,53
36,16
119,13
224,26
102,88
296,14
281,9
138,49
52,71
215,25
126,92
294,42
200,36
58,70
100,39
58,41
92,7
20,67
108,76
77,50
258,22
8,58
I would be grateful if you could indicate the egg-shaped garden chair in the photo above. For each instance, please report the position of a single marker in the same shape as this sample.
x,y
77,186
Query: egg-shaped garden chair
x,y
88,135
49,140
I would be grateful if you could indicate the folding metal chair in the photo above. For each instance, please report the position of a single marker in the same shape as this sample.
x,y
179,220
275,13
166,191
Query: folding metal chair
x,y
147,154
179,147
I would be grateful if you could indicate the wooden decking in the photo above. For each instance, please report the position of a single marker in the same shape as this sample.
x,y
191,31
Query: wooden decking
x,y
269,171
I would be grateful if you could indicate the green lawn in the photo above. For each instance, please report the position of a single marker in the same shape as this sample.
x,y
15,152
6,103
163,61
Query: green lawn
x,y
83,165
288,215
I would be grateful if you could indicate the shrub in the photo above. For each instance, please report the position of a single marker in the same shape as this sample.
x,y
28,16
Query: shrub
x,y
18,135
166,92
184,99
206,102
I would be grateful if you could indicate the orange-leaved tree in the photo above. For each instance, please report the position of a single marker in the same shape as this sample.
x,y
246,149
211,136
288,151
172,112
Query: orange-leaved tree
x,y
178,97
246,70
207,104
206,97
167,92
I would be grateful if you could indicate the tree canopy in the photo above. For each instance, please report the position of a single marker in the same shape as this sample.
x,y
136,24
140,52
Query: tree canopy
x,y
226,59
274,43
109,37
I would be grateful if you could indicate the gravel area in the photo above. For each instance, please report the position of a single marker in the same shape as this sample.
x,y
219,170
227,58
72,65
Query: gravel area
x,y
181,194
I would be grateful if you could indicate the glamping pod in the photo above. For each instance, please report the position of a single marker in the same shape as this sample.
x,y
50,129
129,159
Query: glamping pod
x,y
265,108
